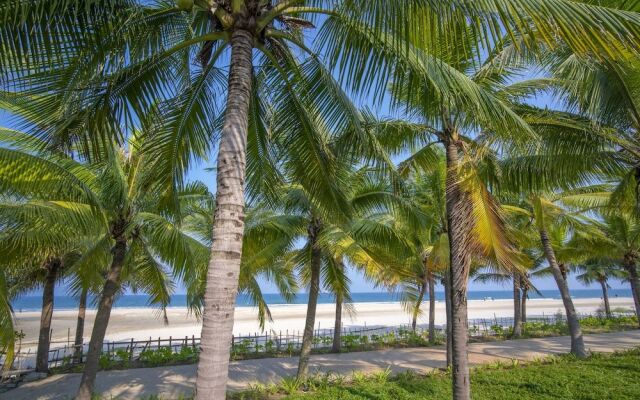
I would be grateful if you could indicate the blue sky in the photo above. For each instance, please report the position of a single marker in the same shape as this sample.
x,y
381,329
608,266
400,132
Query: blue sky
x,y
359,284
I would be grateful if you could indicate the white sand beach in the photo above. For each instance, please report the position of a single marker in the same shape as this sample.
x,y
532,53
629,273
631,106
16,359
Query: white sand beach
x,y
143,323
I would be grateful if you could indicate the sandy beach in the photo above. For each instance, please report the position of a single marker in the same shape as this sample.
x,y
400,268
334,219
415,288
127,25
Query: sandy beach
x,y
142,323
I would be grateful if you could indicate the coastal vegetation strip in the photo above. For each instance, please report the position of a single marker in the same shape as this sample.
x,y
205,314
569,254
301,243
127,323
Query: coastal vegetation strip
x,y
600,376
187,352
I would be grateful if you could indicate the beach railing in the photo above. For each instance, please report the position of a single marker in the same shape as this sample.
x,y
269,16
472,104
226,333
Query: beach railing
x,y
282,343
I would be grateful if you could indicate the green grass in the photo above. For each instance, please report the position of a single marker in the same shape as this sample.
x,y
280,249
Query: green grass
x,y
614,376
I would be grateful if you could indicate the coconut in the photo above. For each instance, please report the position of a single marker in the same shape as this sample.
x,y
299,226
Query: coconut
x,y
185,5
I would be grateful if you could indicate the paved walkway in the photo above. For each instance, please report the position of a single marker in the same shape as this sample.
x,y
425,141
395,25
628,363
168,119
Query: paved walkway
x,y
171,382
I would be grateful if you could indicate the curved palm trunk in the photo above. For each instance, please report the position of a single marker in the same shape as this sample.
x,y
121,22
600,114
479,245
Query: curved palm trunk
x,y
337,327
458,220
525,294
629,265
432,310
82,308
228,226
109,291
314,290
605,297
447,305
44,339
577,341
517,307
416,308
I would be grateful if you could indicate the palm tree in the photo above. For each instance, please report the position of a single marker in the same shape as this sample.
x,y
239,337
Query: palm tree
x,y
112,203
144,39
616,239
363,241
40,252
544,212
474,222
598,271
519,281
429,242
268,238
7,333
85,279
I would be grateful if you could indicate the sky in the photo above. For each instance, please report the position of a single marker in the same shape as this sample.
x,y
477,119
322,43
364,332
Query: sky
x,y
359,284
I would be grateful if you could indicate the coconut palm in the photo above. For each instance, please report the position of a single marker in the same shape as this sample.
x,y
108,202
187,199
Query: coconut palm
x,y
599,271
7,333
555,224
40,252
615,239
371,240
420,279
429,242
113,204
543,211
364,241
268,238
521,286
84,280
451,109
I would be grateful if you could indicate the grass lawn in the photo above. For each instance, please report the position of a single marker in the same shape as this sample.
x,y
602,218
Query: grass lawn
x,y
614,376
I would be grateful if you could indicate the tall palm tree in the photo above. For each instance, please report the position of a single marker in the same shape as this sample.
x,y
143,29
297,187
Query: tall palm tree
x,y
362,241
519,281
7,332
268,238
429,242
616,239
85,279
152,40
371,240
113,204
544,212
451,107
599,271
40,252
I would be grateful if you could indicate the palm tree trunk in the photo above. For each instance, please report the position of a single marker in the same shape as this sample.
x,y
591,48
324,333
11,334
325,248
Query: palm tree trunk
x,y
111,287
525,294
577,341
447,305
314,290
629,265
517,307
337,327
44,339
228,226
432,310
458,220
605,297
82,308
416,308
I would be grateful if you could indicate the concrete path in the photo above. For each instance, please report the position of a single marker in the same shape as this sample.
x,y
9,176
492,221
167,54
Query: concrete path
x,y
171,382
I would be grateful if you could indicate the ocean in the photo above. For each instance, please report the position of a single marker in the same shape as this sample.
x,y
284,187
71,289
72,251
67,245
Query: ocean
x,y
34,303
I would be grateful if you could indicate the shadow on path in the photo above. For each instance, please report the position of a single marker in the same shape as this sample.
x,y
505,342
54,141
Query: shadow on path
x,y
173,381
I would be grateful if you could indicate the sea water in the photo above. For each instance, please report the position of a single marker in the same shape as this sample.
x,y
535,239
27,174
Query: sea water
x,y
34,303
